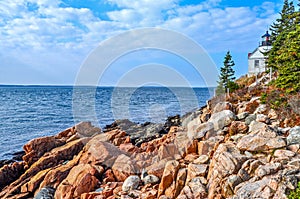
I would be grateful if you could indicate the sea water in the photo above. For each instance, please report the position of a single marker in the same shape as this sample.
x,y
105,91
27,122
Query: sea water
x,y
28,112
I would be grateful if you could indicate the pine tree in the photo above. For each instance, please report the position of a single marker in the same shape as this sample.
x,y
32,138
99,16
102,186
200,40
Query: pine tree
x,y
226,78
280,29
289,62
284,22
285,53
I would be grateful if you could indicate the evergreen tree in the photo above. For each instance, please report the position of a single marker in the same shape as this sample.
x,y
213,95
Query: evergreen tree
x,y
289,62
297,15
280,29
226,78
284,22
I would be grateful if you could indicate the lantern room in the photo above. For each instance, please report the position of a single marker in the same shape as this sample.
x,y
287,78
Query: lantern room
x,y
265,39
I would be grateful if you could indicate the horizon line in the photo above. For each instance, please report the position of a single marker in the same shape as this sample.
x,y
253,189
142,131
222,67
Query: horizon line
x,y
103,86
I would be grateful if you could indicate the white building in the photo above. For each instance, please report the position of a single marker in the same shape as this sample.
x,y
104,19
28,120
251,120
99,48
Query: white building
x,y
257,59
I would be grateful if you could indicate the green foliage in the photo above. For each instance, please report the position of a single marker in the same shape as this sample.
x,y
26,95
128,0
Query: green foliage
x,y
226,78
284,22
275,99
296,193
220,89
278,32
232,86
285,53
263,98
288,62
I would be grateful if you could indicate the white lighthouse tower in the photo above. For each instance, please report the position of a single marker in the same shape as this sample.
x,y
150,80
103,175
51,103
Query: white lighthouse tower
x,y
257,59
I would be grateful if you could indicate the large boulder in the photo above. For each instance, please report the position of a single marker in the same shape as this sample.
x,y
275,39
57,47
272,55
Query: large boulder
x,y
294,136
261,140
189,117
227,160
123,167
86,129
196,170
167,150
221,106
157,168
237,127
193,189
169,175
201,130
222,119
184,145
57,174
81,179
10,173
206,147
131,183
34,181
36,148
139,133
99,152
49,160
180,180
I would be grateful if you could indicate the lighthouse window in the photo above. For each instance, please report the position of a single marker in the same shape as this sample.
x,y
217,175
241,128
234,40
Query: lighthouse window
x,y
256,63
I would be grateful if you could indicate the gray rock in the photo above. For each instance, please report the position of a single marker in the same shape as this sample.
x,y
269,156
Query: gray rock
x,y
262,108
197,188
243,115
86,129
255,126
250,118
149,179
267,169
187,118
131,183
248,189
221,106
139,133
201,131
231,182
222,119
263,118
294,136
295,163
261,140
45,193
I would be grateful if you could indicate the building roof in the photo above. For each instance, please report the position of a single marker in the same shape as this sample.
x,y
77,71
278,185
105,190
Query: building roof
x,y
258,53
266,35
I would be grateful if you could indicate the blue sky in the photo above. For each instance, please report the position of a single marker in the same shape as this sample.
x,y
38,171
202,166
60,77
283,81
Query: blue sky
x,y
46,41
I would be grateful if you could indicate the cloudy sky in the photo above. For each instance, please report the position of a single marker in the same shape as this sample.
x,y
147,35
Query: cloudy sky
x,y
46,41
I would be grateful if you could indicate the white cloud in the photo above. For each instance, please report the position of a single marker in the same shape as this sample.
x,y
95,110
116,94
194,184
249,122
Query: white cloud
x,y
218,28
145,4
47,32
141,13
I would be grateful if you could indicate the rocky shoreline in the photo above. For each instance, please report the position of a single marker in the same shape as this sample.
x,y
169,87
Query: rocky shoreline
x,y
227,149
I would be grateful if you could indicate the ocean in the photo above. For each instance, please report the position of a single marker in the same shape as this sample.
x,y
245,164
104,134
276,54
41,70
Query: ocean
x,y
28,112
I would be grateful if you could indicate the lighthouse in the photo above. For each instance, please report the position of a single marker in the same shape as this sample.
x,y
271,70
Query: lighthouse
x,y
257,59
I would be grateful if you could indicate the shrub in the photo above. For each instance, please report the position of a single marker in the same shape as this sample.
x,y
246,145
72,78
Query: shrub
x,y
295,194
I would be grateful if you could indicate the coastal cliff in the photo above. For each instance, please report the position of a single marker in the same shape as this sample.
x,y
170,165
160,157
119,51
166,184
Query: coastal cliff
x,y
236,147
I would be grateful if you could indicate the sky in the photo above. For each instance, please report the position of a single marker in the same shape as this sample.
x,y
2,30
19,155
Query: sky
x,y
48,41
